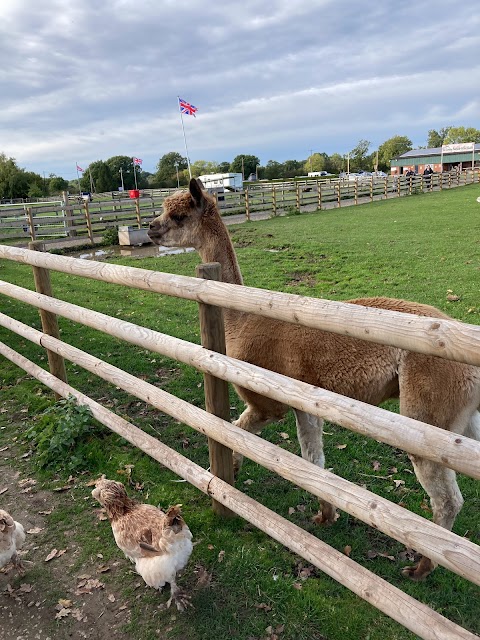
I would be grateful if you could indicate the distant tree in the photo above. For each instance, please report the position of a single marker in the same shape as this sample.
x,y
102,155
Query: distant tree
x,y
292,168
335,163
37,185
437,138
35,191
224,167
101,176
250,164
273,170
392,148
166,175
13,180
121,168
358,155
203,167
56,185
457,135
315,162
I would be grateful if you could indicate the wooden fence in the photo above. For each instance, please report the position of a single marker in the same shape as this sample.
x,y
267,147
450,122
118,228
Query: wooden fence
x,y
75,218
445,338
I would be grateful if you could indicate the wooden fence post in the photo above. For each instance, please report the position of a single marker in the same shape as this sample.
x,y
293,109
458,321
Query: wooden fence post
x,y
247,204
216,390
137,213
339,200
89,222
43,284
274,200
355,192
319,189
371,189
297,196
385,187
30,223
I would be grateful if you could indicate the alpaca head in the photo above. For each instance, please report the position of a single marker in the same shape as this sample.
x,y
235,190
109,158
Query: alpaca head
x,y
184,214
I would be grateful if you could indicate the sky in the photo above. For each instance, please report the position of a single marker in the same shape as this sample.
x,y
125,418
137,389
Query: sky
x,y
84,81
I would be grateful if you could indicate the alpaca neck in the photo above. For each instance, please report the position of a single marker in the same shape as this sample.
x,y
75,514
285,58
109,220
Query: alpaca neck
x,y
217,247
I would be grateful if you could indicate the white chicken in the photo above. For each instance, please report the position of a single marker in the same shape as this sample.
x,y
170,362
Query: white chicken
x,y
12,537
159,543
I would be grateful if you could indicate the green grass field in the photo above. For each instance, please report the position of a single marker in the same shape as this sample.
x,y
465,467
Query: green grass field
x,y
420,248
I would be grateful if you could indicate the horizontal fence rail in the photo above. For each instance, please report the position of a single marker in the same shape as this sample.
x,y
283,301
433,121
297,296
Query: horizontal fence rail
x,y
442,546
413,615
433,336
446,448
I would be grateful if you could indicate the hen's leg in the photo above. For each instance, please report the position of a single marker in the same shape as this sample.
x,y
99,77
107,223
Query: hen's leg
x,y
179,597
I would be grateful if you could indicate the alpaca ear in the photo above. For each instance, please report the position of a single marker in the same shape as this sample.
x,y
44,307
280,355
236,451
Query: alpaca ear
x,y
195,188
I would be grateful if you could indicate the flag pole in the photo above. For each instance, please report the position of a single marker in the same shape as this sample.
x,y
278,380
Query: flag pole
x,y
92,190
78,180
134,173
184,139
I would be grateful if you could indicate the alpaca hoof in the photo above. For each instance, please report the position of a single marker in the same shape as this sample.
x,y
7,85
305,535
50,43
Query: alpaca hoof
x,y
326,516
419,571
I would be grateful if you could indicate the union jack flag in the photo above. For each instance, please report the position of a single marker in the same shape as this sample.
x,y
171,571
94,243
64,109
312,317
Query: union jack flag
x,y
137,161
187,108
79,168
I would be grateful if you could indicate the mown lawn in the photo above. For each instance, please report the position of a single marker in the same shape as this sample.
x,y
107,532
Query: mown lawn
x,y
421,248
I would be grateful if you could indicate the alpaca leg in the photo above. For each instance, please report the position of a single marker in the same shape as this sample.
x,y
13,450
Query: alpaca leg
x,y
260,411
446,500
473,427
310,436
251,420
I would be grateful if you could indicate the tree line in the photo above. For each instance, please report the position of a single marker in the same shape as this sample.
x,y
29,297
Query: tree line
x,y
172,168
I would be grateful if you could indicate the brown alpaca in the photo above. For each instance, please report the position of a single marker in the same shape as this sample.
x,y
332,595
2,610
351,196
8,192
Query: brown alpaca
x,y
431,389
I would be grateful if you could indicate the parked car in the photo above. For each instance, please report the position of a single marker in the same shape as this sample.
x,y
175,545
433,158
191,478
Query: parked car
x,y
379,174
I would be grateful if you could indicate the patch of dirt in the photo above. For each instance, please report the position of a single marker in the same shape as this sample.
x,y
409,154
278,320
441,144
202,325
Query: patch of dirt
x,y
51,601
301,278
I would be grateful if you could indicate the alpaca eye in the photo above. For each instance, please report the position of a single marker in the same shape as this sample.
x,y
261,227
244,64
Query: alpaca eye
x,y
177,219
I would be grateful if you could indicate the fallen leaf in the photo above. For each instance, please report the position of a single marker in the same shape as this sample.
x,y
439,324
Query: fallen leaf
x,y
45,513
284,435
262,606
111,597
347,550
249,481
25,588
78,615
221,556
341,446
4,449
204,578
398,483
103,569
35,530
63,613
59,489
298,586
301,508
65,603
452,297
376,465
51,555
291,510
